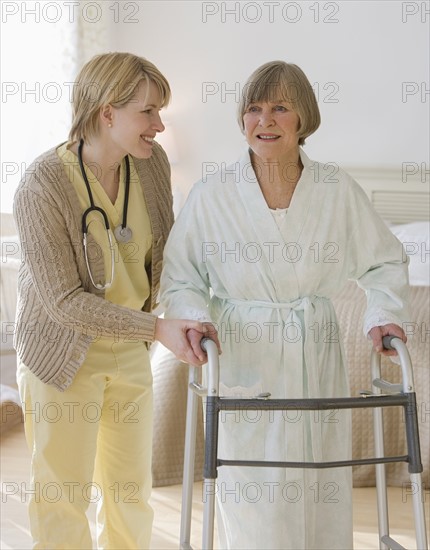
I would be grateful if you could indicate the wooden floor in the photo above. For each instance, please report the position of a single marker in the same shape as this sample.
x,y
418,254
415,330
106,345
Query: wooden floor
x,y
166,503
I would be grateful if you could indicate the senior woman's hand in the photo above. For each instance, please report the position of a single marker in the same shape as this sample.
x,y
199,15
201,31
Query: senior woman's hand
x,y
377,333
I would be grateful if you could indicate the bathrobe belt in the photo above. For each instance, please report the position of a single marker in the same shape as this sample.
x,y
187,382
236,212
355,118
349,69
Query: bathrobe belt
x,y
307,305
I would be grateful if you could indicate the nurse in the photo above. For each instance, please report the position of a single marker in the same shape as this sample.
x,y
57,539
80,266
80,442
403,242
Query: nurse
x,y
84,321
265,246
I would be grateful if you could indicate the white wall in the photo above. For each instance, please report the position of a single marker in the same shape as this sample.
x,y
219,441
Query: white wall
x,y
43,45
360,55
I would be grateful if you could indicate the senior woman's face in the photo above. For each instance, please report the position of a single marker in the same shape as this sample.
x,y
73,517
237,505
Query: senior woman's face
x,y
271,129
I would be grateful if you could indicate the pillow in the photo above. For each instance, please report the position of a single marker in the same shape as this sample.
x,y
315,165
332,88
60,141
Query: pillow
x,y
10,264
416,242
170,388
10,406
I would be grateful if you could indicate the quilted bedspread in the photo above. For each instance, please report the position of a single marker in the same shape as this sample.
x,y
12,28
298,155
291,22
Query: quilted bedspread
x,y
170,391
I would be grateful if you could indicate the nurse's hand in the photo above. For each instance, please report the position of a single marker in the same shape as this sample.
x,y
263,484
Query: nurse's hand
x,y
195,338
377,333
172,333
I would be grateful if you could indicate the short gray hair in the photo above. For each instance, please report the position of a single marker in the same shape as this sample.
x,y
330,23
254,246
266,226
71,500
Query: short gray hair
x,y
281,81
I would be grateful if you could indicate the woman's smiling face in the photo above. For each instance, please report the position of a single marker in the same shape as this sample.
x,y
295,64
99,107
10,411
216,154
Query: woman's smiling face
x,y
135,125
271,129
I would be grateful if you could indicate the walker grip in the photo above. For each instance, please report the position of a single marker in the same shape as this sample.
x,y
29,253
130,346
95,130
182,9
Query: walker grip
x,y
204,342
386,341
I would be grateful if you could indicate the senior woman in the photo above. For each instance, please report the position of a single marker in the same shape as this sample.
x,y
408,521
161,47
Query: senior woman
x,y
265,245
93,216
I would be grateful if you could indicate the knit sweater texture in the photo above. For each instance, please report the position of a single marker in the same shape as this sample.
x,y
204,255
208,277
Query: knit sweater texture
x,y
59,311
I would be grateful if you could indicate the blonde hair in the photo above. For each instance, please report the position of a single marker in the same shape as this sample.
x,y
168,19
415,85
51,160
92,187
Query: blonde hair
x,y
280,81
110,78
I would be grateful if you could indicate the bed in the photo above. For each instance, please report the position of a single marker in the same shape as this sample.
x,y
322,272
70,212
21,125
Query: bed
x,y
404,205
170,384
402,200
350,306
407,216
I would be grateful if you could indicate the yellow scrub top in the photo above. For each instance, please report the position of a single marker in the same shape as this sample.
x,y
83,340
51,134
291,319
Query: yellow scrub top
x,y
130,285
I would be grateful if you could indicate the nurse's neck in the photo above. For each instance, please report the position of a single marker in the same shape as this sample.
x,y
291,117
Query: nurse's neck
x,y
104,159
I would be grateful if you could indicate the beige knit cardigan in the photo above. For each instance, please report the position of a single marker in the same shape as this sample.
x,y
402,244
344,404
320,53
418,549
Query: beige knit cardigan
x,y
59,311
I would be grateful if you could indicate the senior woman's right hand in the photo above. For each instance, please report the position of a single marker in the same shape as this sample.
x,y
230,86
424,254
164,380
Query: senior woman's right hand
x,y
173,334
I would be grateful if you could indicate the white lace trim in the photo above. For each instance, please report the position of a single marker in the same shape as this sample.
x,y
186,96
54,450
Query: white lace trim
x,y
195,315
378,318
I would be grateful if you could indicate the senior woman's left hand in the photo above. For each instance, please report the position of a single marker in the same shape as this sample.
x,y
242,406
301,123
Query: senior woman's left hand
x,y
377,333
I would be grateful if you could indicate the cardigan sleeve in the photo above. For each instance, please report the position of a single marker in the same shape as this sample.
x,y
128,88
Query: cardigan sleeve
x,y
50,265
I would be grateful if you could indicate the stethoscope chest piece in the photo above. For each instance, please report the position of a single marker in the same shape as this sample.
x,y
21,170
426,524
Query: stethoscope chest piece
x,y
122,234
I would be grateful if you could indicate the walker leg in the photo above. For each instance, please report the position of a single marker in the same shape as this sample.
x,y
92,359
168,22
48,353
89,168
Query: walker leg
x,y
418,507
378,432
412,436
381,484
210,470
209,490
189,455
415,468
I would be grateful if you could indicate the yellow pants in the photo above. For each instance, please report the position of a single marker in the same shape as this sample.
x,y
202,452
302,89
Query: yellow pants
x,y
92,443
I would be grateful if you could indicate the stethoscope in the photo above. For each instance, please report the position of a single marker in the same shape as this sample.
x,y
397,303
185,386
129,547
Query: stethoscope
x,y
122,233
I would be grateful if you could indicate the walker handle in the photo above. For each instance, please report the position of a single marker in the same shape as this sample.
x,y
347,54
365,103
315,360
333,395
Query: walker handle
x,y
386,341
210,347
204,343
394,343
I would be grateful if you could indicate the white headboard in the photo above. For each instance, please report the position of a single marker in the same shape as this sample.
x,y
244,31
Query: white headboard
x,y
398,197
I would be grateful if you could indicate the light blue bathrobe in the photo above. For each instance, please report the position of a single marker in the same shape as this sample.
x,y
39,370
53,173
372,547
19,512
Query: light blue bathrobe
x,y
268,289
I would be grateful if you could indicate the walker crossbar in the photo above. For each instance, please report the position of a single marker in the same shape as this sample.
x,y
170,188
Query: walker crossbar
x,y
317,465
216,404
377,401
